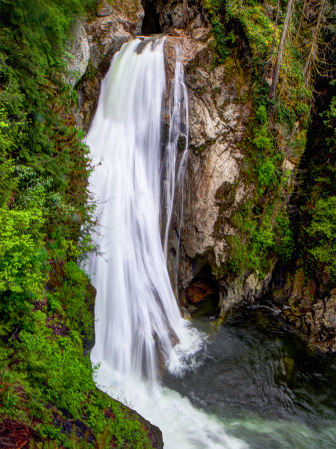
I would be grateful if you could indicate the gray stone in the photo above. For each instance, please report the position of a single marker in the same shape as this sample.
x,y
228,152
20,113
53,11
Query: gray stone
x,y
329,317
79,55
105,36
104,9
230,295
216,124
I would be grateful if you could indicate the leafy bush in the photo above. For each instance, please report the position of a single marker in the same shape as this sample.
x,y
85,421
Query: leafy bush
x,y
267,174
57,365
261,114
322,231
21,251
46,300
262,140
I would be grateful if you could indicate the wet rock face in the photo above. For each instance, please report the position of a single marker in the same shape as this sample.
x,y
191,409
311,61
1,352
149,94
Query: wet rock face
x,y
198,291
320,321
165,16
214,187
181,14
307,304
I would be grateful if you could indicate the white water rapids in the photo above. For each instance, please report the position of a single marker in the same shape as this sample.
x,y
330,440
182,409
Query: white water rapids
x,y
136,311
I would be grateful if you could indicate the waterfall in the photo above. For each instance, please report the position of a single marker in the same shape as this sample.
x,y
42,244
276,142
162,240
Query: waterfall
x,y
138,321
178,111
137,313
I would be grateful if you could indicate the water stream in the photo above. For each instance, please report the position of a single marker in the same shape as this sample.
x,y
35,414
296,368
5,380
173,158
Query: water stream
x,y
139,330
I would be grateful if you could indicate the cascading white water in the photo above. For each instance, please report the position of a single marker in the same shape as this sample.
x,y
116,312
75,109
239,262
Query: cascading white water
x,y
178,109
136,310
137,316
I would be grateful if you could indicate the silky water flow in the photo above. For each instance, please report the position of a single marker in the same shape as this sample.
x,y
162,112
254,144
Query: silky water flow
x,y
139,329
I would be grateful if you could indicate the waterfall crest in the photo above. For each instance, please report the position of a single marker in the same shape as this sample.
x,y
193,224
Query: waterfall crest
x,y
136,310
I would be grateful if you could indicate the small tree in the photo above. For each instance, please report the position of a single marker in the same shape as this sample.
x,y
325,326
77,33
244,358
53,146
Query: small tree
x,y
273,44
276,71
313,59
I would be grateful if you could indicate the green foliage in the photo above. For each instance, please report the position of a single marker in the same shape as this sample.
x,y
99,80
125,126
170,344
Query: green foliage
x,y
276,130
322,231
56,363
43,163
215,10
316,198
285,239
261,114
330,121
262,140
21,254
263,239
267,176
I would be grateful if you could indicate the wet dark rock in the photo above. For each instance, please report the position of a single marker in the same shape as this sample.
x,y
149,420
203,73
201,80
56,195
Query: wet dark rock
x,y
14,434
71,426
89,340
309,304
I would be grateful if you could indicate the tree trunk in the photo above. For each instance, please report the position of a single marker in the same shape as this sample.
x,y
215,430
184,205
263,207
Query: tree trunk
x,y
313,53
272,46
301,18
276,72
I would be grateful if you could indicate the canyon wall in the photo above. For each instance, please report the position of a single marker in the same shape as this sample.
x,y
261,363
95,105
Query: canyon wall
x,y
218,182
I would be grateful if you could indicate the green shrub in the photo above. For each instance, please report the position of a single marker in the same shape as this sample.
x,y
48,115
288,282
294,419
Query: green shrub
x,y
267,174
261,114
322,232
262,140
21,251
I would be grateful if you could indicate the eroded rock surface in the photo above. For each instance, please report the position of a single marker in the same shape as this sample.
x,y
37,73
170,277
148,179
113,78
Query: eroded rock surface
x,y
79,55
307,303
214,187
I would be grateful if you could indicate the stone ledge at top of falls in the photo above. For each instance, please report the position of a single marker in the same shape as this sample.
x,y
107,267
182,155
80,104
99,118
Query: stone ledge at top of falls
x,y
104,35
99,39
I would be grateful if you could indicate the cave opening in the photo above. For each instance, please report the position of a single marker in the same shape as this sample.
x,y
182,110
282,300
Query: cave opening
x,y
151,21
203,294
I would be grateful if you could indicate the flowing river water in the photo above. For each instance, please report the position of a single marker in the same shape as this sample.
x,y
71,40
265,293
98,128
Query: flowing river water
x,y
234,385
